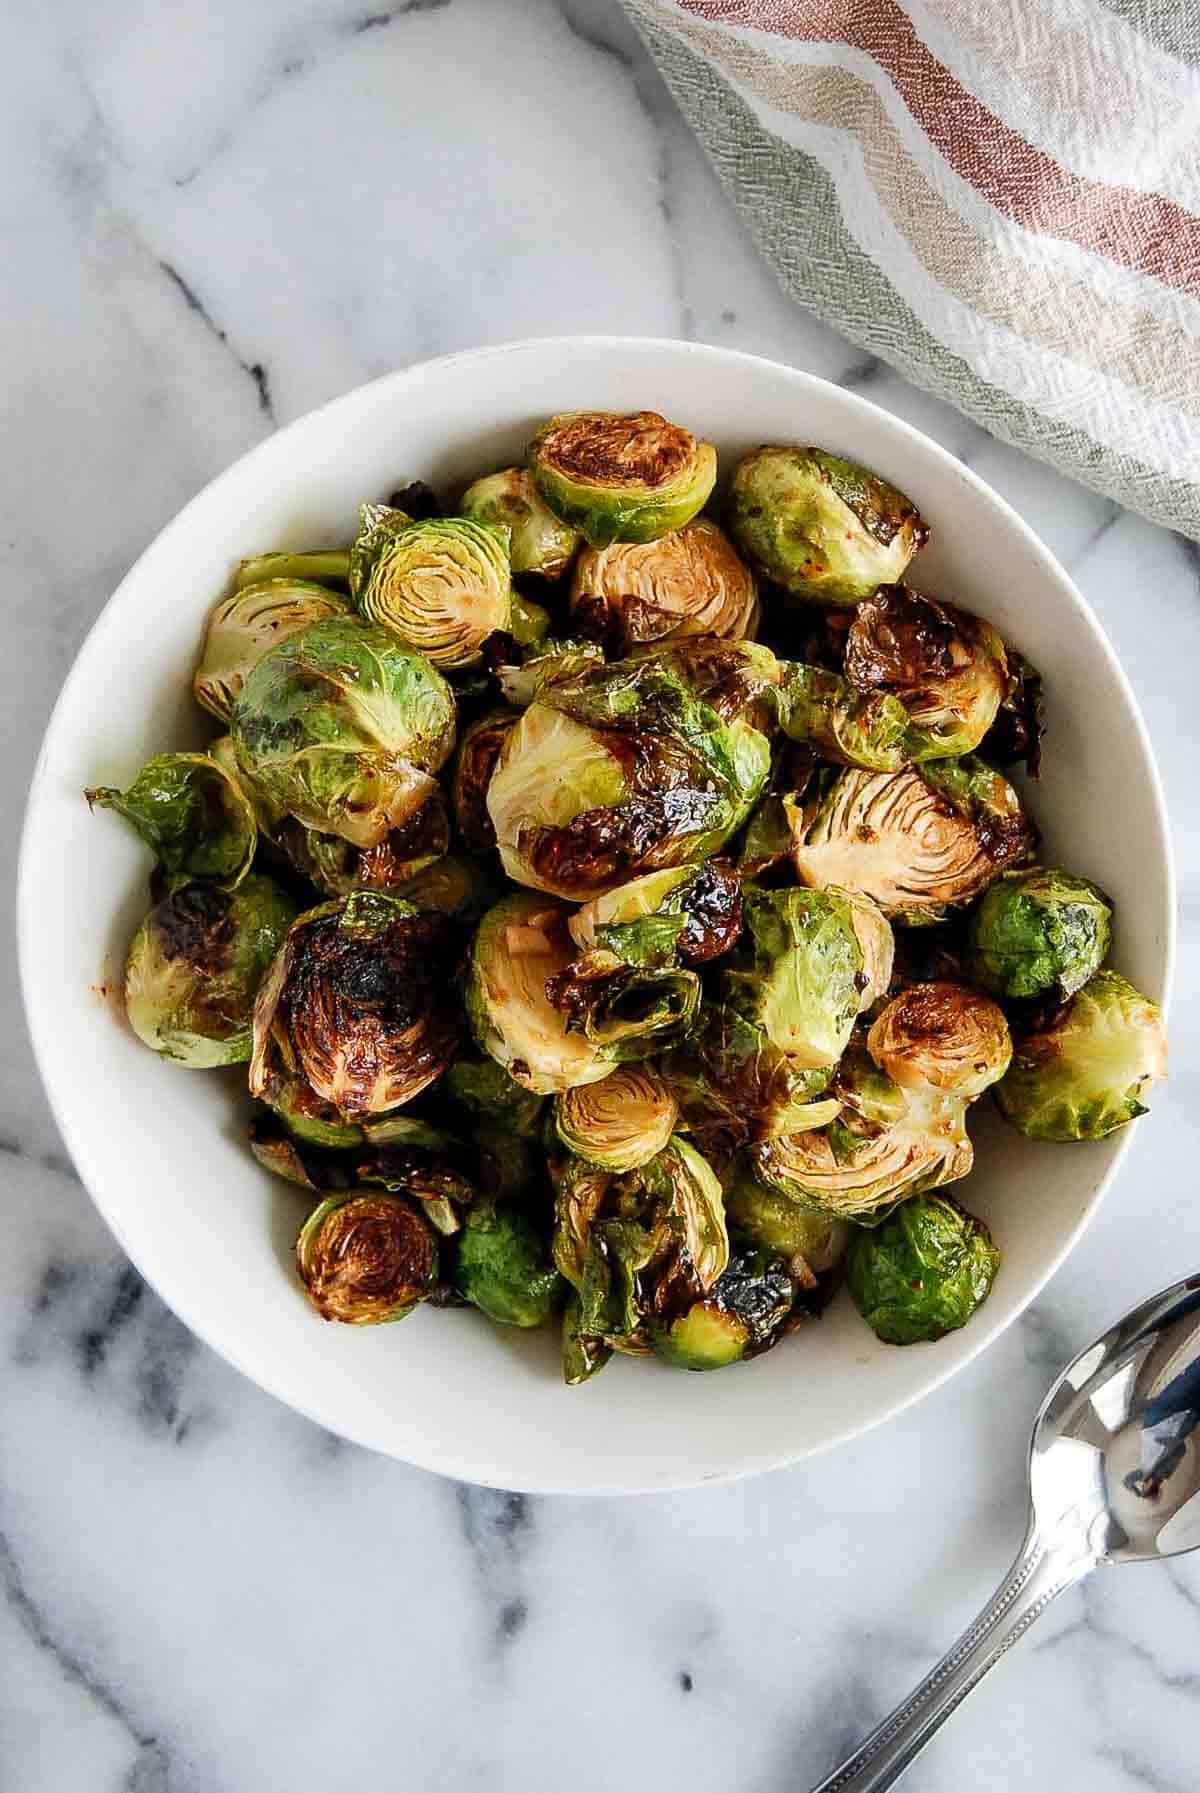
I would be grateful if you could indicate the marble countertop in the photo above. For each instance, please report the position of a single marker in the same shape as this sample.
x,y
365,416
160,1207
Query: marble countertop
x,y
219,214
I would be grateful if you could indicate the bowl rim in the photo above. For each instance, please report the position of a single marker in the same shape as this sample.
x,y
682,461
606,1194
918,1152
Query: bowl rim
x,y
454,1461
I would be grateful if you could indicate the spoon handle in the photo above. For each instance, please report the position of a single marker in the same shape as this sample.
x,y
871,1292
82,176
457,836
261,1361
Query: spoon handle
x,y
1037,1576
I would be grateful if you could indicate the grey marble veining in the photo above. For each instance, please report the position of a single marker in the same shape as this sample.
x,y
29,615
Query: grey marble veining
x,y
217,216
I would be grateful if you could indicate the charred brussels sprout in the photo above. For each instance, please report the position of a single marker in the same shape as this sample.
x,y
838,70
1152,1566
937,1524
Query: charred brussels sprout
x,y
850,727
195,965
943,1036
923,1273
358,1005
247,624
545,663
948,670
501,1266
366,1257
540,541
690,582
822,527
192,814
619,1124
342,728
441,586
1084,1073
917,843
621,477
617,771
338,867
1039,931
478,751
744,1313
685,916
628,1011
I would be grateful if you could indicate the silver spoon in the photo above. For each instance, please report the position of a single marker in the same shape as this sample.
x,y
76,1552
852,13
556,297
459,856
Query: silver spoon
x,y
1114,1477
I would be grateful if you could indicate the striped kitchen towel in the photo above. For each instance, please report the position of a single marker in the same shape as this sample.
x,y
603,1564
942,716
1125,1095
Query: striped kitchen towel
x,y
1001,198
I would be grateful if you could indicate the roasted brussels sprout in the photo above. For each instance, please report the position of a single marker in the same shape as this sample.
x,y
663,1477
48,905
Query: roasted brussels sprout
x,y
744,1313
502,1267
690,582
948,670
358,1005
627,1010
366,1257
442,586
336,866
485,1092
943,1036
1016,734
733,1085
621,477
247,624
852,728
617,771
619,1124
316,566
684,916
192,813
812,1244
478,751
454,885
582,1354
822,527
918,843
342,728
195,965
540,542
923,1272
545,663
1039,931
1084,1072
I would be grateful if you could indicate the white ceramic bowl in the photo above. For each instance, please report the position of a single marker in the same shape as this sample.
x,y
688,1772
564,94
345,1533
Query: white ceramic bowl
x,y
161,1149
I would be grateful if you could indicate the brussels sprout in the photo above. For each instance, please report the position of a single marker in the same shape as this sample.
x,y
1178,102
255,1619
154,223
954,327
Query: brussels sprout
x,y
822,527
771,834
365,1258
617,771
850,727
454,885
529,624
1084,1073
336,866
540,543
193,815
244,626
546,663
486,1092
627,1010
744,1313
619,1124
522,942
501,1266
320,566
684,916
478,751
690,582
343,728
738,680
688,1188
944,1036
800,972
405,1157
358,1005
582,1355
1037,931
442,586
621,478
948,670
195,965
813,1244
923,1273
918,843
1016,734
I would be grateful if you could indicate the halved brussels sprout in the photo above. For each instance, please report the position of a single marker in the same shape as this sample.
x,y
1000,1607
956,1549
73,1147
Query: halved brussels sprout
x,y
1037,931
486,1092
342,727
545,663
501,1266
690,582
822,527
800,976
192,814
1084,1073
944,1036
629,1011
813,1244
923,1273
853,728
917,843
441,586
521,944
318,566
733,1085
336,866
195,965
478,751
247,624
359,1005
365,1258
617,771
949,670
684,916
744,1313
540,542
619,1124
621,477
